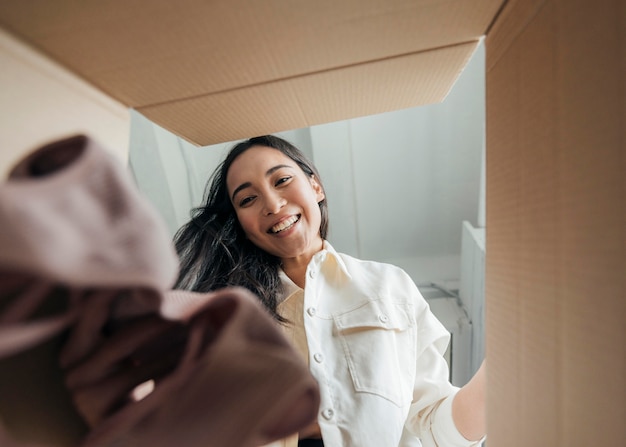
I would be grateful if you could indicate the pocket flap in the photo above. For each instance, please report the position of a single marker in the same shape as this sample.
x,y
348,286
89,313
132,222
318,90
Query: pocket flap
x,y
378,314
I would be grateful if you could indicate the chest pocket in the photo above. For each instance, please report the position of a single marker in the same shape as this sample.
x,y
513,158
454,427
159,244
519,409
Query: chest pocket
x,y
379,342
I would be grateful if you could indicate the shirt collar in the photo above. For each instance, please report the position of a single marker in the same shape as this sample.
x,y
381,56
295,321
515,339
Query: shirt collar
x,y
329,252
322,258
289,287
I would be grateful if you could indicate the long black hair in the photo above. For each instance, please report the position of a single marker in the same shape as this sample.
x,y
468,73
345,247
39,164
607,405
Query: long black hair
x,y
213,249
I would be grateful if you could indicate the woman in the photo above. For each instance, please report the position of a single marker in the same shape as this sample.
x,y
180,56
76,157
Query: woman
x,y
369,337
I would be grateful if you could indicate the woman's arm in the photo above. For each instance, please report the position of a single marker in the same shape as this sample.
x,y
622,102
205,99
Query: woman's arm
x,y
468,407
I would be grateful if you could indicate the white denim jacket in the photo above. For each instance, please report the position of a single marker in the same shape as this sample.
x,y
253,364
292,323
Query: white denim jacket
x,y
376,351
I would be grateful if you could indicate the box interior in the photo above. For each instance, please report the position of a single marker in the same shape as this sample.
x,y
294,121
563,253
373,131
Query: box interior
x,y
556,114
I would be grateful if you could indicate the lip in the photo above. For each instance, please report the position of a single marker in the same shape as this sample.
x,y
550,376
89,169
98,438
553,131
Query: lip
x,y
269,230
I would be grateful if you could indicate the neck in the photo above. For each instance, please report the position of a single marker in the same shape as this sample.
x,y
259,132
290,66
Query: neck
x,y
295,268
297,273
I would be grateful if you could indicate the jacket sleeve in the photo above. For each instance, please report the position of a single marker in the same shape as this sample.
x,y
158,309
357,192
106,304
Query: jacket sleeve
x,y
430,414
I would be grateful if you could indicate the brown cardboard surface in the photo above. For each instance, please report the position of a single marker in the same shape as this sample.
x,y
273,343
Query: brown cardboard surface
x,y
508,26
556,225
382,86
150,54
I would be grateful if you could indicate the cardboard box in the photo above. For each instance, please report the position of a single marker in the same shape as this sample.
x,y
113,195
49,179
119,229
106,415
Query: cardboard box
x,y
556,114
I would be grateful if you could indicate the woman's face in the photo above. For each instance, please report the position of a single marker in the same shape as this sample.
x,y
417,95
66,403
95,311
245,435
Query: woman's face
x,y
276,203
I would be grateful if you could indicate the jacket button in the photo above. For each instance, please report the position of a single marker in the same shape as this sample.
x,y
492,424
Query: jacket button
x,y
311,311
328,413
383,318
311,274
319,358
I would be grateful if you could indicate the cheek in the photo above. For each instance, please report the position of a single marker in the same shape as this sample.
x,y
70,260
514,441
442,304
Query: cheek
x,y
314,207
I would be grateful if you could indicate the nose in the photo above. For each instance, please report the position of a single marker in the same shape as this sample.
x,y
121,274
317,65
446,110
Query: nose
x,y
273,203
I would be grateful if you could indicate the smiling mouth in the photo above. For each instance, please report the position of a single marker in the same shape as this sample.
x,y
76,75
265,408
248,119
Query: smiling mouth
x,y
284,225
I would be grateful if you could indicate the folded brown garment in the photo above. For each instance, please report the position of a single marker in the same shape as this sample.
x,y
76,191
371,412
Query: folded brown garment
x,y
88,321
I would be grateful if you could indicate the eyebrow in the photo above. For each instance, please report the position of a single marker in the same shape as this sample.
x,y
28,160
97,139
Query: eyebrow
x,y
245,185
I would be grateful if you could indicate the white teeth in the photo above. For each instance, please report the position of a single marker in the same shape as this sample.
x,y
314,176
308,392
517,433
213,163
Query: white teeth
x,y
284,224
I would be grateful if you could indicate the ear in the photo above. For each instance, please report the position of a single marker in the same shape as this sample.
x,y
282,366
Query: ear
x,y
319,191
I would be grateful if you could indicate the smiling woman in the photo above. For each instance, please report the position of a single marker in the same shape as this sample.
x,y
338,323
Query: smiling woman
x,y
370,339
242,250
277,205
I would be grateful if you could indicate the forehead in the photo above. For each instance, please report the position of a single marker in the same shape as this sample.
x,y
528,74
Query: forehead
x,y
255,162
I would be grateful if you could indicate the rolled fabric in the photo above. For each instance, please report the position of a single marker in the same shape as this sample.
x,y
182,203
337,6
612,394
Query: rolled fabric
x,y
76,234
238,381
71,212
87,318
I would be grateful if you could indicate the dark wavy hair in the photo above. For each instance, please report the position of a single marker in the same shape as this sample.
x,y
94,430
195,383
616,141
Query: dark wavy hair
x,y
213,249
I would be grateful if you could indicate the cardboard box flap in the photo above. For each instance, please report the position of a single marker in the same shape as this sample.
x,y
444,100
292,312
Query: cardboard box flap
x,y
149,53
146,55
318,98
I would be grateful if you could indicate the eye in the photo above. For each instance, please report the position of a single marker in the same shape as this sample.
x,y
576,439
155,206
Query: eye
x,y
282,180
246,201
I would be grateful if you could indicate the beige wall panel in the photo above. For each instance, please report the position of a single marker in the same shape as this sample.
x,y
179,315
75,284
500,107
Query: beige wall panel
x,y
41,102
